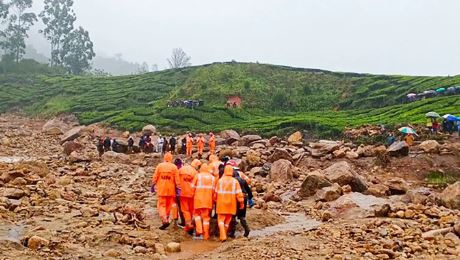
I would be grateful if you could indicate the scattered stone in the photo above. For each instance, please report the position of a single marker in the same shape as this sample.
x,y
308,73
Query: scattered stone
x,y
253,158
312,183
149,129
295,137
398,149
397,186
112,253
329,193
326,215
450,197
281,171
72,134
71,146
278,154
13,193
430,146
36,242
173,247
378,190
382,210
140,250
343,174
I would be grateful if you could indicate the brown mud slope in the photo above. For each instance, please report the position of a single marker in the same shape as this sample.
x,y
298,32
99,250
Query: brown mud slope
x,y
323,200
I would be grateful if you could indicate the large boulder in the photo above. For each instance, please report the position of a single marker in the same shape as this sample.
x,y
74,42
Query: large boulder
x,y
295,138
253,158
54,127
312,183
398,149
247,139
149,130
324,147
329,193
450,197
230,136
72,134
115,157
378,190
71,146
173,247
430,146
36,242
278,154
75,157
397,186
343,174
281,171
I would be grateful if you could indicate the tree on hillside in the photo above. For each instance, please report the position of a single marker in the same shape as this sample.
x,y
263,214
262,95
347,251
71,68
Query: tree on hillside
x,y
58,17
179,59
143,68
3,10
18,22
77,51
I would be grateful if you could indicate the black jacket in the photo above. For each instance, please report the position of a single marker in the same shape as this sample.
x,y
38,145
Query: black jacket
x,y
244,185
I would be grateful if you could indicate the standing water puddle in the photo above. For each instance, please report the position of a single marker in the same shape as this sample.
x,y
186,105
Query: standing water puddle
x,y
11,232
13,159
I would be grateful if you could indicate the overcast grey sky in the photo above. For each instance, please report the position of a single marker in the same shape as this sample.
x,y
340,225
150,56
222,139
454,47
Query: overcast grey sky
x,y
417,37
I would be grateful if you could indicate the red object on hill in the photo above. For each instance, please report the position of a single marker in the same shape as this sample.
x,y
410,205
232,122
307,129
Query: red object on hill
x,y
233,101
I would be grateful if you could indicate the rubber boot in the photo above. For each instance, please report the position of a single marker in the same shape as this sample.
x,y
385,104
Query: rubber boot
x,y
244,223
232,228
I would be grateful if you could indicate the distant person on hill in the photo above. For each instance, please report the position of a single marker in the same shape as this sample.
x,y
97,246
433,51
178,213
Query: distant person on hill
x,y
409,139
391,139
212,143
142,143
429,124
107,144
165,145
435,127
130,144
189,145
160,142
114,145
100,146
200,143
183,145
172,144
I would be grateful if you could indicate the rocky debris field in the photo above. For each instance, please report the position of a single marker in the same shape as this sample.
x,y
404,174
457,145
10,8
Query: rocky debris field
x,y
314,200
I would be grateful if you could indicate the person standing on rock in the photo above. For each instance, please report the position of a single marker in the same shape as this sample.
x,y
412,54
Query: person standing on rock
x,y
107,144
165,145
186,175
189,141
212,143
160,142
409,139
201,142
166,182
183,149
100,146
172,143
204,185
227,194
214,164
130,144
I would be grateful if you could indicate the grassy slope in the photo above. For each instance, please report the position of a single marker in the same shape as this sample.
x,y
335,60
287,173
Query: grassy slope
x,y
276,98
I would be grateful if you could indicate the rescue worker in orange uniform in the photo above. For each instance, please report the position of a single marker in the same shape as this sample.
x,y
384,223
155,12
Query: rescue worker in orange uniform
x,y
186,175
204,185
166,181
227,193
201,141
214,164
189,145
212,143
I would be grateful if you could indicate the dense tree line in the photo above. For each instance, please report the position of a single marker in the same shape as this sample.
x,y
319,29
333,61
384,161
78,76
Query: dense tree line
x,y
71,48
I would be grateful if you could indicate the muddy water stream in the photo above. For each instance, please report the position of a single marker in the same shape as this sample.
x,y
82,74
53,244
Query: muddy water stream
x,y
293,222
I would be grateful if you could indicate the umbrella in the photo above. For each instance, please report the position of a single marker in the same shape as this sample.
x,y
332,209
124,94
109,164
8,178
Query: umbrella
x,y
432,115
446,116
440,90
452,118
411,95
407,130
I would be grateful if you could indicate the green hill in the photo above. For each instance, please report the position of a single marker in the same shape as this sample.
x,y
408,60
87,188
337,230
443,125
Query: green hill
x,y
276,99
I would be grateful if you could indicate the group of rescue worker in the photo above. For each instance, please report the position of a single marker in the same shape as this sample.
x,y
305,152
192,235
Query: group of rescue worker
x,y
200,191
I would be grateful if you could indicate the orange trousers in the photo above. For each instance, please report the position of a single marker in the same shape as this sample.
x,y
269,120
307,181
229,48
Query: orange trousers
x,y
223,221
189,150
200,149
186,206
164,205
202,219
212,148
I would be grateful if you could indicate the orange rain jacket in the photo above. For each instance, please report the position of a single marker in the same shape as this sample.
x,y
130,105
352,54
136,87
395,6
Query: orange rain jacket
x,y
186,175
189,141
166,177
214,164
204,184
212,142
227,193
